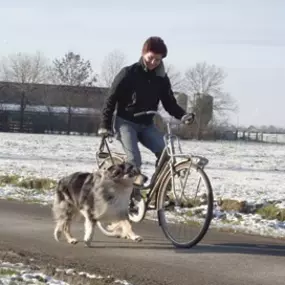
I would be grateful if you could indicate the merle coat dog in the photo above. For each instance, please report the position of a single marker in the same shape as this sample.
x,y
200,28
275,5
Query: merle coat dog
x,y
100,196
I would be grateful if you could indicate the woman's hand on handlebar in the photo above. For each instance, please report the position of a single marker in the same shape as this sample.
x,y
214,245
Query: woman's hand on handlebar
x,y
105,132
188,119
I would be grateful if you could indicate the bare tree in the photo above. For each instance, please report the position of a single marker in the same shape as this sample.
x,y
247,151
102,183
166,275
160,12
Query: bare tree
x,y
174,76
112,64
24,68
69,72
73,70
204,80
209,79
22,71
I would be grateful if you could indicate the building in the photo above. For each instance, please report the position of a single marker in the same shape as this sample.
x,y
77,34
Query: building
x,y
43,108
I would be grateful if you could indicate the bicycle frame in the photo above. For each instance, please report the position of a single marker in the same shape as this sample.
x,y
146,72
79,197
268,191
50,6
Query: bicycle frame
x,y
166,163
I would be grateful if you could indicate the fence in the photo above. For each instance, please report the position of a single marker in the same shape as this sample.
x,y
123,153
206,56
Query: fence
x,y
53,120
61,120
264,137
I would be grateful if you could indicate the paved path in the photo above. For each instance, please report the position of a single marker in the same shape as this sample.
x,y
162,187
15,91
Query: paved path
x,y
220,259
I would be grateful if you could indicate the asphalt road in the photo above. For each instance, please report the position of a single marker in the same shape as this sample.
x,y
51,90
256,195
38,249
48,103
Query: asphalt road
x,y
220,259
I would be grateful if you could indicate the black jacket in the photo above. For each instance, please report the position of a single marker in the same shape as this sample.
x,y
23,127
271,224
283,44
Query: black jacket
x,y
136,89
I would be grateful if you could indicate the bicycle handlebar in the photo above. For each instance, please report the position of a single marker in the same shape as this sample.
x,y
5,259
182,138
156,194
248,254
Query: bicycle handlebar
x,y
152,112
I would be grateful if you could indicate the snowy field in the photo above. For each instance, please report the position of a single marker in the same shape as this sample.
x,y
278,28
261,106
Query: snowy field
x,y
242,171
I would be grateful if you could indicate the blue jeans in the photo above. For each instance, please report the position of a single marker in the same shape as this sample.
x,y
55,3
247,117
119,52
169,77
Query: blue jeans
x,y
130,134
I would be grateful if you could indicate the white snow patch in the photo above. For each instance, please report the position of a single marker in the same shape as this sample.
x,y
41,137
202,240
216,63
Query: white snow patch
x,y
23,274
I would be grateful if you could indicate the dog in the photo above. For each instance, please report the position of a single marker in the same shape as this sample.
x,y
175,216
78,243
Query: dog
x,y
103,195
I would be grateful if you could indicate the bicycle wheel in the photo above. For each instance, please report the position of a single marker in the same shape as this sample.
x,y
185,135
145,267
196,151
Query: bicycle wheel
x,y
195,213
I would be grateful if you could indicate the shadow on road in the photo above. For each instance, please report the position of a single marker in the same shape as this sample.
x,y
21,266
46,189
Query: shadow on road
x,y
240,248
219,248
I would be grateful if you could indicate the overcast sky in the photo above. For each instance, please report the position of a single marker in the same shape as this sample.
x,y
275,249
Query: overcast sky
x,y
245,37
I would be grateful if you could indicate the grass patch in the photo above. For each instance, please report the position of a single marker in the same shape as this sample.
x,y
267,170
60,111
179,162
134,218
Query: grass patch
x,y
37,183
188,202
271,212
31,200
268,211
27,182
10,198
231,222
7,271
193,223
233,205
9,179
189,214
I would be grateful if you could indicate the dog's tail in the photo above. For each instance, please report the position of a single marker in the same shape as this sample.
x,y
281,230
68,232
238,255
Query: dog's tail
x,y
62,202
61,199
59,194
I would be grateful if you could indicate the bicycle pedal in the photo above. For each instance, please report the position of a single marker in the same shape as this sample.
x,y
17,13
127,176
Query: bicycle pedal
x,y
151,208
140,180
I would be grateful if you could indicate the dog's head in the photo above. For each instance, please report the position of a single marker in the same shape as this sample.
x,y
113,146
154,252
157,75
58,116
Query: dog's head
x,y
122,171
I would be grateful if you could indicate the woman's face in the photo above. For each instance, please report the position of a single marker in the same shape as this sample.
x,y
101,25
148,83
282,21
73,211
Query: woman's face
x,y
152,60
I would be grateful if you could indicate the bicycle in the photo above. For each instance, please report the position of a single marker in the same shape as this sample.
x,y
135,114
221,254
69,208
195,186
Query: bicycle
x,y
162,186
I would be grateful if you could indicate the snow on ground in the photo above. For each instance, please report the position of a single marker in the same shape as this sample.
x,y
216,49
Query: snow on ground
x,y
238,170
19,273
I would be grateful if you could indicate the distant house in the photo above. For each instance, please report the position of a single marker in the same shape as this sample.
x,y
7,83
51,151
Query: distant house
x,y
252,129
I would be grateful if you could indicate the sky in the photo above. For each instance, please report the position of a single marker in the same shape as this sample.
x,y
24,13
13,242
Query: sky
x,y
246,38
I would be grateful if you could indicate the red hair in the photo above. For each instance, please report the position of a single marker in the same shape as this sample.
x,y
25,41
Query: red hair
x,y
155,45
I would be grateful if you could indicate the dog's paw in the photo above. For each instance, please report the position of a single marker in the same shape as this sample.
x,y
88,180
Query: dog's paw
x,y
137,238
57,235
134,237
73,241
87,243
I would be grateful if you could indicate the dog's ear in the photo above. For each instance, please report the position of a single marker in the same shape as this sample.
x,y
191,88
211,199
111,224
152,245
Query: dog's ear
x,y
115,170
130,168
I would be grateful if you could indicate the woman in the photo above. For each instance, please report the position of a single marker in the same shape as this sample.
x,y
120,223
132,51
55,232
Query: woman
x,y
136,88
